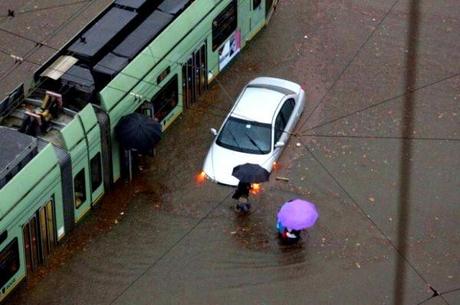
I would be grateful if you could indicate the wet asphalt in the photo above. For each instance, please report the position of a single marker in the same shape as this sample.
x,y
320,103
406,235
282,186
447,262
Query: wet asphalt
x,y
167,238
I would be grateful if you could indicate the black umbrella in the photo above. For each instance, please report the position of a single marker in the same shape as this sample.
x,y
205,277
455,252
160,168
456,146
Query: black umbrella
x,y
137,131
250,173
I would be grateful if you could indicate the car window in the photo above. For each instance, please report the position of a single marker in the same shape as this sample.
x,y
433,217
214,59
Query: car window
x,y
286,110
279,127
283,117
245,136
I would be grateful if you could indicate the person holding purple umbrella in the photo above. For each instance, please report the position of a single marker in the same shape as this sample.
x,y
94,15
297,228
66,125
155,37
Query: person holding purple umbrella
x,y
287,235
294,216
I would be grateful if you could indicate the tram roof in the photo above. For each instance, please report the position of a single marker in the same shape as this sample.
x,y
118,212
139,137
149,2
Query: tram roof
x,y
106,45
93,40
16,150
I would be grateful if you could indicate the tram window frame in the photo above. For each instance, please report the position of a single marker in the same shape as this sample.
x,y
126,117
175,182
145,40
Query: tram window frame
x,y
167,96
4,255
79,181
224,25
96,171
163,75
256,4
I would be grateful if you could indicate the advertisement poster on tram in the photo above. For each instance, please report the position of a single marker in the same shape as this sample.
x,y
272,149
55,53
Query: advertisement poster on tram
x,y
229,49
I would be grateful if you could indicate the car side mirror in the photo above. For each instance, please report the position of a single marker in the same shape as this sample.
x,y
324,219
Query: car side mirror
x,y
214,131
279,144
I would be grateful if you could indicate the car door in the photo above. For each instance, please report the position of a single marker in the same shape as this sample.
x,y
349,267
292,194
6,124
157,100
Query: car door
x,y
278,131
287,112
285,119
283,125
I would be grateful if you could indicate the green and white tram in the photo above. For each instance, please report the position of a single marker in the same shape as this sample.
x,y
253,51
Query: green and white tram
x,y
59,150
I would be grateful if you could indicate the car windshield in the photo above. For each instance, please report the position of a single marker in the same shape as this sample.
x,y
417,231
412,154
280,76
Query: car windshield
x,y
245,136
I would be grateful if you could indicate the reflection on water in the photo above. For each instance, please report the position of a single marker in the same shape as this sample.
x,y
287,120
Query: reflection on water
x,y
252,232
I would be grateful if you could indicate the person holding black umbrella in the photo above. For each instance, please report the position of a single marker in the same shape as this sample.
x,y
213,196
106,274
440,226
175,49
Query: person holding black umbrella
x,y
138,134
247,173
242,195
138,131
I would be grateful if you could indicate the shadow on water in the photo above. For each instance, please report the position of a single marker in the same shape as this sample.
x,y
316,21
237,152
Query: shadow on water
x,y
293,254
406,154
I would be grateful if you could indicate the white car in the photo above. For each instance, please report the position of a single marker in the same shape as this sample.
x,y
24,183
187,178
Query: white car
x,y
256,129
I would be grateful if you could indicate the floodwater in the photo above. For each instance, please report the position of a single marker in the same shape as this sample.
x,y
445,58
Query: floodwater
x,y
168,238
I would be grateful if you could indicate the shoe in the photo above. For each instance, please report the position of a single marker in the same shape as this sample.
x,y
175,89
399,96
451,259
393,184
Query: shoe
x,y
245,208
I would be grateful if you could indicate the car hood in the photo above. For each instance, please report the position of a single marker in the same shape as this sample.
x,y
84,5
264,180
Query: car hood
x,y
220,161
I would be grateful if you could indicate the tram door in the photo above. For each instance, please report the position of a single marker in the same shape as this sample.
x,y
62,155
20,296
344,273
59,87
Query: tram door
x,y
39,239
269,8
194,76
257,19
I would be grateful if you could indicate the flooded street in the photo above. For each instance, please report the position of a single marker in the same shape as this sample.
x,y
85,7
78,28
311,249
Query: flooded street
x,y
169,238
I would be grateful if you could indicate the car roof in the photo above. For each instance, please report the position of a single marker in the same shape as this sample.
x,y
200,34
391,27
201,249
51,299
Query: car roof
x,y
258,104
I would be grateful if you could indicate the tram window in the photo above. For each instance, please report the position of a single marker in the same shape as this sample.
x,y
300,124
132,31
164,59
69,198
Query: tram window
x,y
256,4
80,190
3,236
224,25
9,262
96,172
166,100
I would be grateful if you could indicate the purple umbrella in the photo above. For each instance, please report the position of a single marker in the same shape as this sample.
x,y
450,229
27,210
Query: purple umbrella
x,y
298,214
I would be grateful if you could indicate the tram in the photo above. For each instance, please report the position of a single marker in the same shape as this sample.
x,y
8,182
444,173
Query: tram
x,y
59,150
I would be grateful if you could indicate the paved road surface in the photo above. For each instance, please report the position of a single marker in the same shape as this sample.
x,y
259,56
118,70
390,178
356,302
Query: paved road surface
x,y
167,239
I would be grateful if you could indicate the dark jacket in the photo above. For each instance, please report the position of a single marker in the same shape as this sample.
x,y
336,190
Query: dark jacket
x,y
242,190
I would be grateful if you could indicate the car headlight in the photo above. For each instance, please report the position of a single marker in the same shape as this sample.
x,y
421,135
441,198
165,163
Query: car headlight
x,y
203,176
209,177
